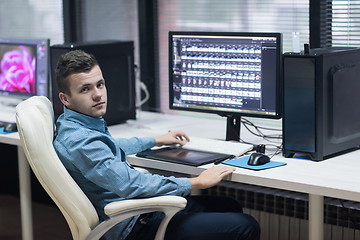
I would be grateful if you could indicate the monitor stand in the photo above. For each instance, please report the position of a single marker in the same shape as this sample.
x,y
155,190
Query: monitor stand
x,y
233,128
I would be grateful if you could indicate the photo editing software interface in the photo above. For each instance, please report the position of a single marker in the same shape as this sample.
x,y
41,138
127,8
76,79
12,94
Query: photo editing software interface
x,y
233,73
24,68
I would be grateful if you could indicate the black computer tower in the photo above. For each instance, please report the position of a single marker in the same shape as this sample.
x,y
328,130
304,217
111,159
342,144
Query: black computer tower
x,y
116,60
321,115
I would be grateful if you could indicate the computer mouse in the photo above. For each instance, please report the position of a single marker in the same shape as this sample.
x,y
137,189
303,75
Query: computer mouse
x,y
257,159
10,127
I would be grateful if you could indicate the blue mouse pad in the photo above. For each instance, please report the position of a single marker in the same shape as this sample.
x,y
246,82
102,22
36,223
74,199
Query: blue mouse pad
x,y
2,131
242,162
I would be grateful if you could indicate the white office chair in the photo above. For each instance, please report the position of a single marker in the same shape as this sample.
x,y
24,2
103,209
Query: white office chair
x,y
35,122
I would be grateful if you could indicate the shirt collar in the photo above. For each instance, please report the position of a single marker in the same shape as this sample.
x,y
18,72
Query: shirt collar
x,y
85,120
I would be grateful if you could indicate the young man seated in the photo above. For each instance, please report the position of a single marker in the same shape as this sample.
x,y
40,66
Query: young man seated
x,y
98,164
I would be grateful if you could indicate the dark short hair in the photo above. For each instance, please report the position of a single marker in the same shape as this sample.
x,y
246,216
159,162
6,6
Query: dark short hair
x,y
76,61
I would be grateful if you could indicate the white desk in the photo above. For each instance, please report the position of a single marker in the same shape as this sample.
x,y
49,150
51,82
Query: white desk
x,y
337,177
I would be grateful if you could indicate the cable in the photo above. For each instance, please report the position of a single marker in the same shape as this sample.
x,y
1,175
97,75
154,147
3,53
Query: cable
x,y
143,87
259,133
278,148
147,95
278,151
247,124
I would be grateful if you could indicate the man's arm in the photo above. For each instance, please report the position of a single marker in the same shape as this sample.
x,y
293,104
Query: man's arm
x,y
210,177
207,178
172,137
135,145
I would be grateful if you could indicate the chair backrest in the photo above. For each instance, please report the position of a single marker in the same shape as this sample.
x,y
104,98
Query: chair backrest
x,y
35,122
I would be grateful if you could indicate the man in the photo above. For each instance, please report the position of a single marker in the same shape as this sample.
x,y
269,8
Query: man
x,y
97,163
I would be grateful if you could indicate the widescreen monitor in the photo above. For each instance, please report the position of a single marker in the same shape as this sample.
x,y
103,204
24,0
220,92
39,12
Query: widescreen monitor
x,y
231,74
24,68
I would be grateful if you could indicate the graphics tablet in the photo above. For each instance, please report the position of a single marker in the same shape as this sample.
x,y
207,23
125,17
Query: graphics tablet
x,y
184,156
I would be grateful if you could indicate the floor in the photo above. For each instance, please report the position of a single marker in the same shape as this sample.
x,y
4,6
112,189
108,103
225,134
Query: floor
x,y
48,222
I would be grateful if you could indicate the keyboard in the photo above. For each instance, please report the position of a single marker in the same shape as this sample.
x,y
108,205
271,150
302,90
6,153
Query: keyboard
x,y
3,124
219,146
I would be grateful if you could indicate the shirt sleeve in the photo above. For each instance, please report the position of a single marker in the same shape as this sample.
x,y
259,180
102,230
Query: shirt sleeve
x,y
105,165
135,145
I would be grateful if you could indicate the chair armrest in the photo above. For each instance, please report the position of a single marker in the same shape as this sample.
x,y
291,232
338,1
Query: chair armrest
x,y
114,208
121,210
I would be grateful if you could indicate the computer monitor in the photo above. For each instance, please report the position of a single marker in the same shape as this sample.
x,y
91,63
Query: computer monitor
x,y
24,68
232,74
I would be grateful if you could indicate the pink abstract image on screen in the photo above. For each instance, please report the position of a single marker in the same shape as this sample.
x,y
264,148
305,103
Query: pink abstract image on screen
x,y
17,71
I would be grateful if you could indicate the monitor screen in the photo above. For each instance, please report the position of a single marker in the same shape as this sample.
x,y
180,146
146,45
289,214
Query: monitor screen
x,y
24,68
226,73
230,74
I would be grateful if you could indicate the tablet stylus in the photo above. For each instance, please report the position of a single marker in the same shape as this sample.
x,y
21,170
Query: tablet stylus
x,y
221,160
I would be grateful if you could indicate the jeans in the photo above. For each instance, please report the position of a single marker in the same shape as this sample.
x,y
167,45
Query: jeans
x,y
205,217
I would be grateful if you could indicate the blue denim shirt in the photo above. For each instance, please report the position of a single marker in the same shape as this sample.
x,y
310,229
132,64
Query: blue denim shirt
x,y
97,163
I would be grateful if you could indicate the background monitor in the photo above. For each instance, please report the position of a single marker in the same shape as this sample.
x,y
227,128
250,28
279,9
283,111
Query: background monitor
x,y
231,74
24,68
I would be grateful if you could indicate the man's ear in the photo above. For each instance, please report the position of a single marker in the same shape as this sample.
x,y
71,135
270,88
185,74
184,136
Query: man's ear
x,y
64,99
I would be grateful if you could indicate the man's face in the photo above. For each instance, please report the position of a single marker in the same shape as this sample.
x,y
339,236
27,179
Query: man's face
x,y
88,93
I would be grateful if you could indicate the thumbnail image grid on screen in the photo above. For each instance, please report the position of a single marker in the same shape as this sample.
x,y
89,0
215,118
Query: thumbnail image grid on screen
x,y
230,73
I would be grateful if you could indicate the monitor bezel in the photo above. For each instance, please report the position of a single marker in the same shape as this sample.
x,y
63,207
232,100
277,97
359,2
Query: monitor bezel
x,y
278,102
